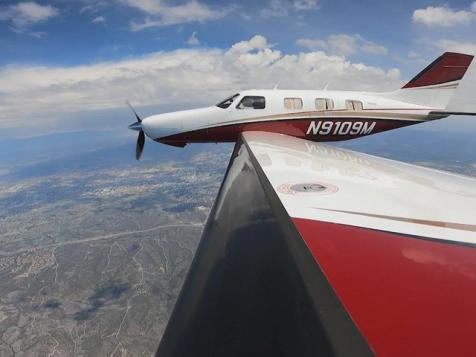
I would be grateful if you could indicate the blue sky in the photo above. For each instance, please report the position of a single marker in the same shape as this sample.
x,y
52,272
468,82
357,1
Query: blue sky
x,y
61,58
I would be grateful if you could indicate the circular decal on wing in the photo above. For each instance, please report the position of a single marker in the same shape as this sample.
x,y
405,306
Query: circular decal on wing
x,y
307,188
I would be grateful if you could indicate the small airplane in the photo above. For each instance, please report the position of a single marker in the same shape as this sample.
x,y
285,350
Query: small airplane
x,y
316,115
313,250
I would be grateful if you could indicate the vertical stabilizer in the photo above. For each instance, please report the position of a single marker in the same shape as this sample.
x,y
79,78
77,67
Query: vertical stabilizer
x,y
436,84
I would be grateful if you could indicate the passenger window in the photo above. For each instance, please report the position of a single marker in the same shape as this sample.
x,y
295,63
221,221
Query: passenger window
x,y
293,103
252,102
354,105
324,104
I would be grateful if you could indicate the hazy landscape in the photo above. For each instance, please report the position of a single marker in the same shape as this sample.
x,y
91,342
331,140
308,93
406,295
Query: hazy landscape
x,y
95,246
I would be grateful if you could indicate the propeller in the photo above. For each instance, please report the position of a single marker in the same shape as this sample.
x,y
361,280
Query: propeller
x,y
140,144
137,126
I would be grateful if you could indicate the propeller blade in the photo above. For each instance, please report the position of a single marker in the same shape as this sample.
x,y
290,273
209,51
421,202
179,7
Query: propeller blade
x,y
133,110
140,144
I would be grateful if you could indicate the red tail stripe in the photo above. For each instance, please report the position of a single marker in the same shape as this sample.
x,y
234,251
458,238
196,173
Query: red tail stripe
x,y
449,67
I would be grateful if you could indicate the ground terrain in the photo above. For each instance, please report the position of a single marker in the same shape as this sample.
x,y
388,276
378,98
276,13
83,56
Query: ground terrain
x,y
94,246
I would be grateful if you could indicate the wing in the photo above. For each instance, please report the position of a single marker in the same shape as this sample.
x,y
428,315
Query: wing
x,y
312,250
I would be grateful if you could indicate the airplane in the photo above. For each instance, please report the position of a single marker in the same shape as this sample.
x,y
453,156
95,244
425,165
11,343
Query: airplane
x,y
313,250
316,115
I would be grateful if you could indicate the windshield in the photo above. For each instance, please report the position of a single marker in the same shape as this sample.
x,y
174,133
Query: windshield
x,y
227,102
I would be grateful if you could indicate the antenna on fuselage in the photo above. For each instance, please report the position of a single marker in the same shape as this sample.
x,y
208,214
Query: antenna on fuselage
x,y
277,84
326,86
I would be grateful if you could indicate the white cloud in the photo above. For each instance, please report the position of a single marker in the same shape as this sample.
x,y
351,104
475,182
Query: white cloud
x,y
457,46
180,78
473,6
98,19
304,5
25,14
371,48
414,59
280,8
343,44
193,40
93,6
443,16
38,34
312,44
165,15
257,42
393,73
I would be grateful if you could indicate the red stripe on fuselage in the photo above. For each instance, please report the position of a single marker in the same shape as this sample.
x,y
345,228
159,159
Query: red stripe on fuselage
x,y
408,296
293,127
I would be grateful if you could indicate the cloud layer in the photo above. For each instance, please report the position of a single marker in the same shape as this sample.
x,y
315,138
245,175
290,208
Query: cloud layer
x,y
184,77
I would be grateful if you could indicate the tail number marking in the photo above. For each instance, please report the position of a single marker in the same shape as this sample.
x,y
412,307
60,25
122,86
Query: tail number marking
x,y
340,128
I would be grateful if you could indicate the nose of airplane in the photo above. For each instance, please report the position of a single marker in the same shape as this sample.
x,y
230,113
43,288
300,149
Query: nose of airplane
x,y
173,123
162,125
166,125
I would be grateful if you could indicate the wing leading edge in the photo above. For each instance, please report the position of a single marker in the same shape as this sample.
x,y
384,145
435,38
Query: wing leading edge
x,y
313,250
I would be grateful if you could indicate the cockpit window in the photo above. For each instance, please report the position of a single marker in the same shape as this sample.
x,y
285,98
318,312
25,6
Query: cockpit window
x,y
227,102
252,102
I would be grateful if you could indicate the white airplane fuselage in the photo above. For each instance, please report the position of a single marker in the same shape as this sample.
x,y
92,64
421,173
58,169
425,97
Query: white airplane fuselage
x,y
318,115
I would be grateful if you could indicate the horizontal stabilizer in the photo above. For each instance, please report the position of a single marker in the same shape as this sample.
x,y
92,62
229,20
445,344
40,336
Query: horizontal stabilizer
x,y
451,113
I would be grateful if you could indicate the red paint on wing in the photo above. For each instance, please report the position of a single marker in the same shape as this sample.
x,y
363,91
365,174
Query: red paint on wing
x,y
447,68
408,296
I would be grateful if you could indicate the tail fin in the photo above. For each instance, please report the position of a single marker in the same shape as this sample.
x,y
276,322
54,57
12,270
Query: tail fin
x,y
436,84
444,72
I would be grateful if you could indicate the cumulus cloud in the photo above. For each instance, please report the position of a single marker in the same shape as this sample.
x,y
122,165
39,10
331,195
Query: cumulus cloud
x,y
182,78
193,39
343,44
443,16
280,8
98,19
25,14
161,14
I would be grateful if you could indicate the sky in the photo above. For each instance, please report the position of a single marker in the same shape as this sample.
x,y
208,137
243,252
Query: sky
x,y
69,65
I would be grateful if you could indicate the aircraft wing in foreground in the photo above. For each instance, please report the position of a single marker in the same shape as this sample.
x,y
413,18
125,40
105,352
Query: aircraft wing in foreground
x,y
311,250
